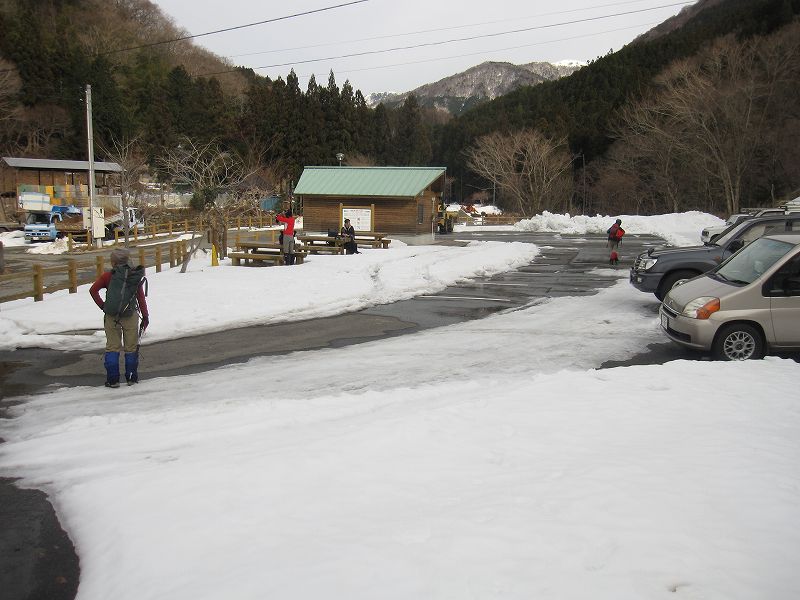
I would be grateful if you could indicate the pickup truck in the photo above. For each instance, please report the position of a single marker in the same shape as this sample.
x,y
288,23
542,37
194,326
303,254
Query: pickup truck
x,y
657,271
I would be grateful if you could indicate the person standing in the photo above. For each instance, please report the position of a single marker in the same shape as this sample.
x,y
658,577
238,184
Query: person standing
x,y
124,301
615,233
348,233
288,235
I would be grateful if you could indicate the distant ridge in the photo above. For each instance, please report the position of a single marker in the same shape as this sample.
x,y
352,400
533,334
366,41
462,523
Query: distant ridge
x,y
484,82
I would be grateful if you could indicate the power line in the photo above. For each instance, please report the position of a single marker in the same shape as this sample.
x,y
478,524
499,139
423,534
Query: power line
x,y
436,30
451,41
79,88
189,37
483,52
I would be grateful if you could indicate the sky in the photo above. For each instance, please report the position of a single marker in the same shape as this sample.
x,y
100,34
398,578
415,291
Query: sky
x,y
488,459
516,31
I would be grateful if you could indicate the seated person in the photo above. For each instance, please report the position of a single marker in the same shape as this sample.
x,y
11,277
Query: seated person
x,y
348,234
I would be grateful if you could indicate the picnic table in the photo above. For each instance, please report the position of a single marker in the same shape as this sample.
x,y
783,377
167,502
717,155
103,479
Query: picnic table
x,y
255,251
372,238
334,244
314,244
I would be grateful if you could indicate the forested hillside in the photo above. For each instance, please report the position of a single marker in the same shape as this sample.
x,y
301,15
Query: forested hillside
x,y
583,105
704,116
158,95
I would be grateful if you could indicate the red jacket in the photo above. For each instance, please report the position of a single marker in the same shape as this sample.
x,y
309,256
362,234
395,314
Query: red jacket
x,y
289,221
102,284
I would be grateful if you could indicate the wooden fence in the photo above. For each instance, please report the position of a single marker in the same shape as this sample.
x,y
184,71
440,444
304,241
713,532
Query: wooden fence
x,y
45,280
154,230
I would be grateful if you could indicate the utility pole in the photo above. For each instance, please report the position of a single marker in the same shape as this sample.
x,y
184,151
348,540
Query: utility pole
x,y
90,140
583,162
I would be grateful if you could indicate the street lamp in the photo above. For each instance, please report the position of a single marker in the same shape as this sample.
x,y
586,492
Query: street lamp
x,y
340,158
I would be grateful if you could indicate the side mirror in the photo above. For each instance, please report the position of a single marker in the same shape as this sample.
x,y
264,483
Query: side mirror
x,y
736,245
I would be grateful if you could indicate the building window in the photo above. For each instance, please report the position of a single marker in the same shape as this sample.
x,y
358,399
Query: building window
x,y
420,213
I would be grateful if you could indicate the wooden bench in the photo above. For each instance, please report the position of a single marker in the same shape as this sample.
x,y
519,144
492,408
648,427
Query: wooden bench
x,y
263,252
315,244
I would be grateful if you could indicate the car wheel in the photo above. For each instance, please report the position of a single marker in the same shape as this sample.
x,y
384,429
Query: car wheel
x,y
668,282
738,341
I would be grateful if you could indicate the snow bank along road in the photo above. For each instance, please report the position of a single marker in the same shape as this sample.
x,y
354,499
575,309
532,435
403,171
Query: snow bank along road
x,y
567,266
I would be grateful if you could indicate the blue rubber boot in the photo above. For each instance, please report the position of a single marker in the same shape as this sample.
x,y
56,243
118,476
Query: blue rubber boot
x,y
132,367
112,369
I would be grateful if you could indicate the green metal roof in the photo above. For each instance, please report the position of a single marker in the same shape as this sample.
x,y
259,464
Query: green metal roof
x,y
404,182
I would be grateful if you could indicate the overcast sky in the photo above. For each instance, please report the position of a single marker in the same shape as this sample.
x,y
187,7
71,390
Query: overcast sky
x,y
314,43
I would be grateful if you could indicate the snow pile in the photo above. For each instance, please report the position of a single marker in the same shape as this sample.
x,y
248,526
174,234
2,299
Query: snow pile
x,y
12,238
59,246
488,209
679,229
219,298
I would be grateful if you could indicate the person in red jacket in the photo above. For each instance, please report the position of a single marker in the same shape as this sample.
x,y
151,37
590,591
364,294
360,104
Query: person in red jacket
x,y
288,236
615,233
121,331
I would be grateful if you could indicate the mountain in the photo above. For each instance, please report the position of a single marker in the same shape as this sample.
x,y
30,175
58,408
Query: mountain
x,y
686,14
487,81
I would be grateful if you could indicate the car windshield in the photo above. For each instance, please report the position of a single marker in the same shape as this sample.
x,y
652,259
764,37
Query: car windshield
x,y
752,261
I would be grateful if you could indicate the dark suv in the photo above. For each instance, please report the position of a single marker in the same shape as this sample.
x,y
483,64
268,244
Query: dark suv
x,y
657,271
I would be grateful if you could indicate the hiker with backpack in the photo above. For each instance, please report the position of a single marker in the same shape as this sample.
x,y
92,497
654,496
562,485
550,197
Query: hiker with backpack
x,y
615,233
124,302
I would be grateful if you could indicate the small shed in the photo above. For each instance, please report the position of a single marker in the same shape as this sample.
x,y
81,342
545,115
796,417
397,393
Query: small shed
x,y
31,174
394,200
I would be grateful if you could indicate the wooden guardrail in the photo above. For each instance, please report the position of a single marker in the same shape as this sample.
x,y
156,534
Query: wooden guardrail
x,y
173,227
75,273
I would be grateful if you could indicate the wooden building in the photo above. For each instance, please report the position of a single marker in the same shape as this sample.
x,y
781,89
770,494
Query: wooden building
x,y
394,200
34,174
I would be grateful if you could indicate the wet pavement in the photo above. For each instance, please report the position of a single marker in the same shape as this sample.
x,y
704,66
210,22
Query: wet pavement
x,y
36,556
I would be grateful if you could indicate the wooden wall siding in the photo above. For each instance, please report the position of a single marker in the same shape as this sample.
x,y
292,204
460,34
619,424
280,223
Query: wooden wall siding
x,y
11,178
392,215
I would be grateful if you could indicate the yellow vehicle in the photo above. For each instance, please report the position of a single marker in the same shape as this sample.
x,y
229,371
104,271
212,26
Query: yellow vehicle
x,y
444,222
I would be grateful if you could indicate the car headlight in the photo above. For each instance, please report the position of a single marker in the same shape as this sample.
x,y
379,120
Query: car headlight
x,y
701,308
647,263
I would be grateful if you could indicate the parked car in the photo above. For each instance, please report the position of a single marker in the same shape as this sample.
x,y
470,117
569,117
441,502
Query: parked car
x,y
709,234
748,305
657,271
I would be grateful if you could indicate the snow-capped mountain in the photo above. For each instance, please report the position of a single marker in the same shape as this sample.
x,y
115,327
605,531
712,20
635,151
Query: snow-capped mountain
x,y
456,93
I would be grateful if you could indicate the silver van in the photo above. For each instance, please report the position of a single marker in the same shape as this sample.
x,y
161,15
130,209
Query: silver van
x,y
746,306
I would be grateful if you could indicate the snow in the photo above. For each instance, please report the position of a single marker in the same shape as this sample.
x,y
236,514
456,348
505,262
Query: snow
x,y
12,238
678,229
488,459
321,287
571,63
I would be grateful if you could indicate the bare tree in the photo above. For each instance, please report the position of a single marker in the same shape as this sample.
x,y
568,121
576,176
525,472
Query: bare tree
x,y
211,172
715,110
129,155
530,169
206,167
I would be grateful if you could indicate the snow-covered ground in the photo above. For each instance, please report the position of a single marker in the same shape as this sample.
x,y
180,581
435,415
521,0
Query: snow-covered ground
x,y
488,459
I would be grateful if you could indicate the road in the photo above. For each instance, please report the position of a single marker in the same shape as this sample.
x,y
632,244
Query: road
x,y
36,556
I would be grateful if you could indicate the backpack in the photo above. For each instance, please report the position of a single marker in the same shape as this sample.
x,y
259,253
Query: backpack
x,y
121,292
615,232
